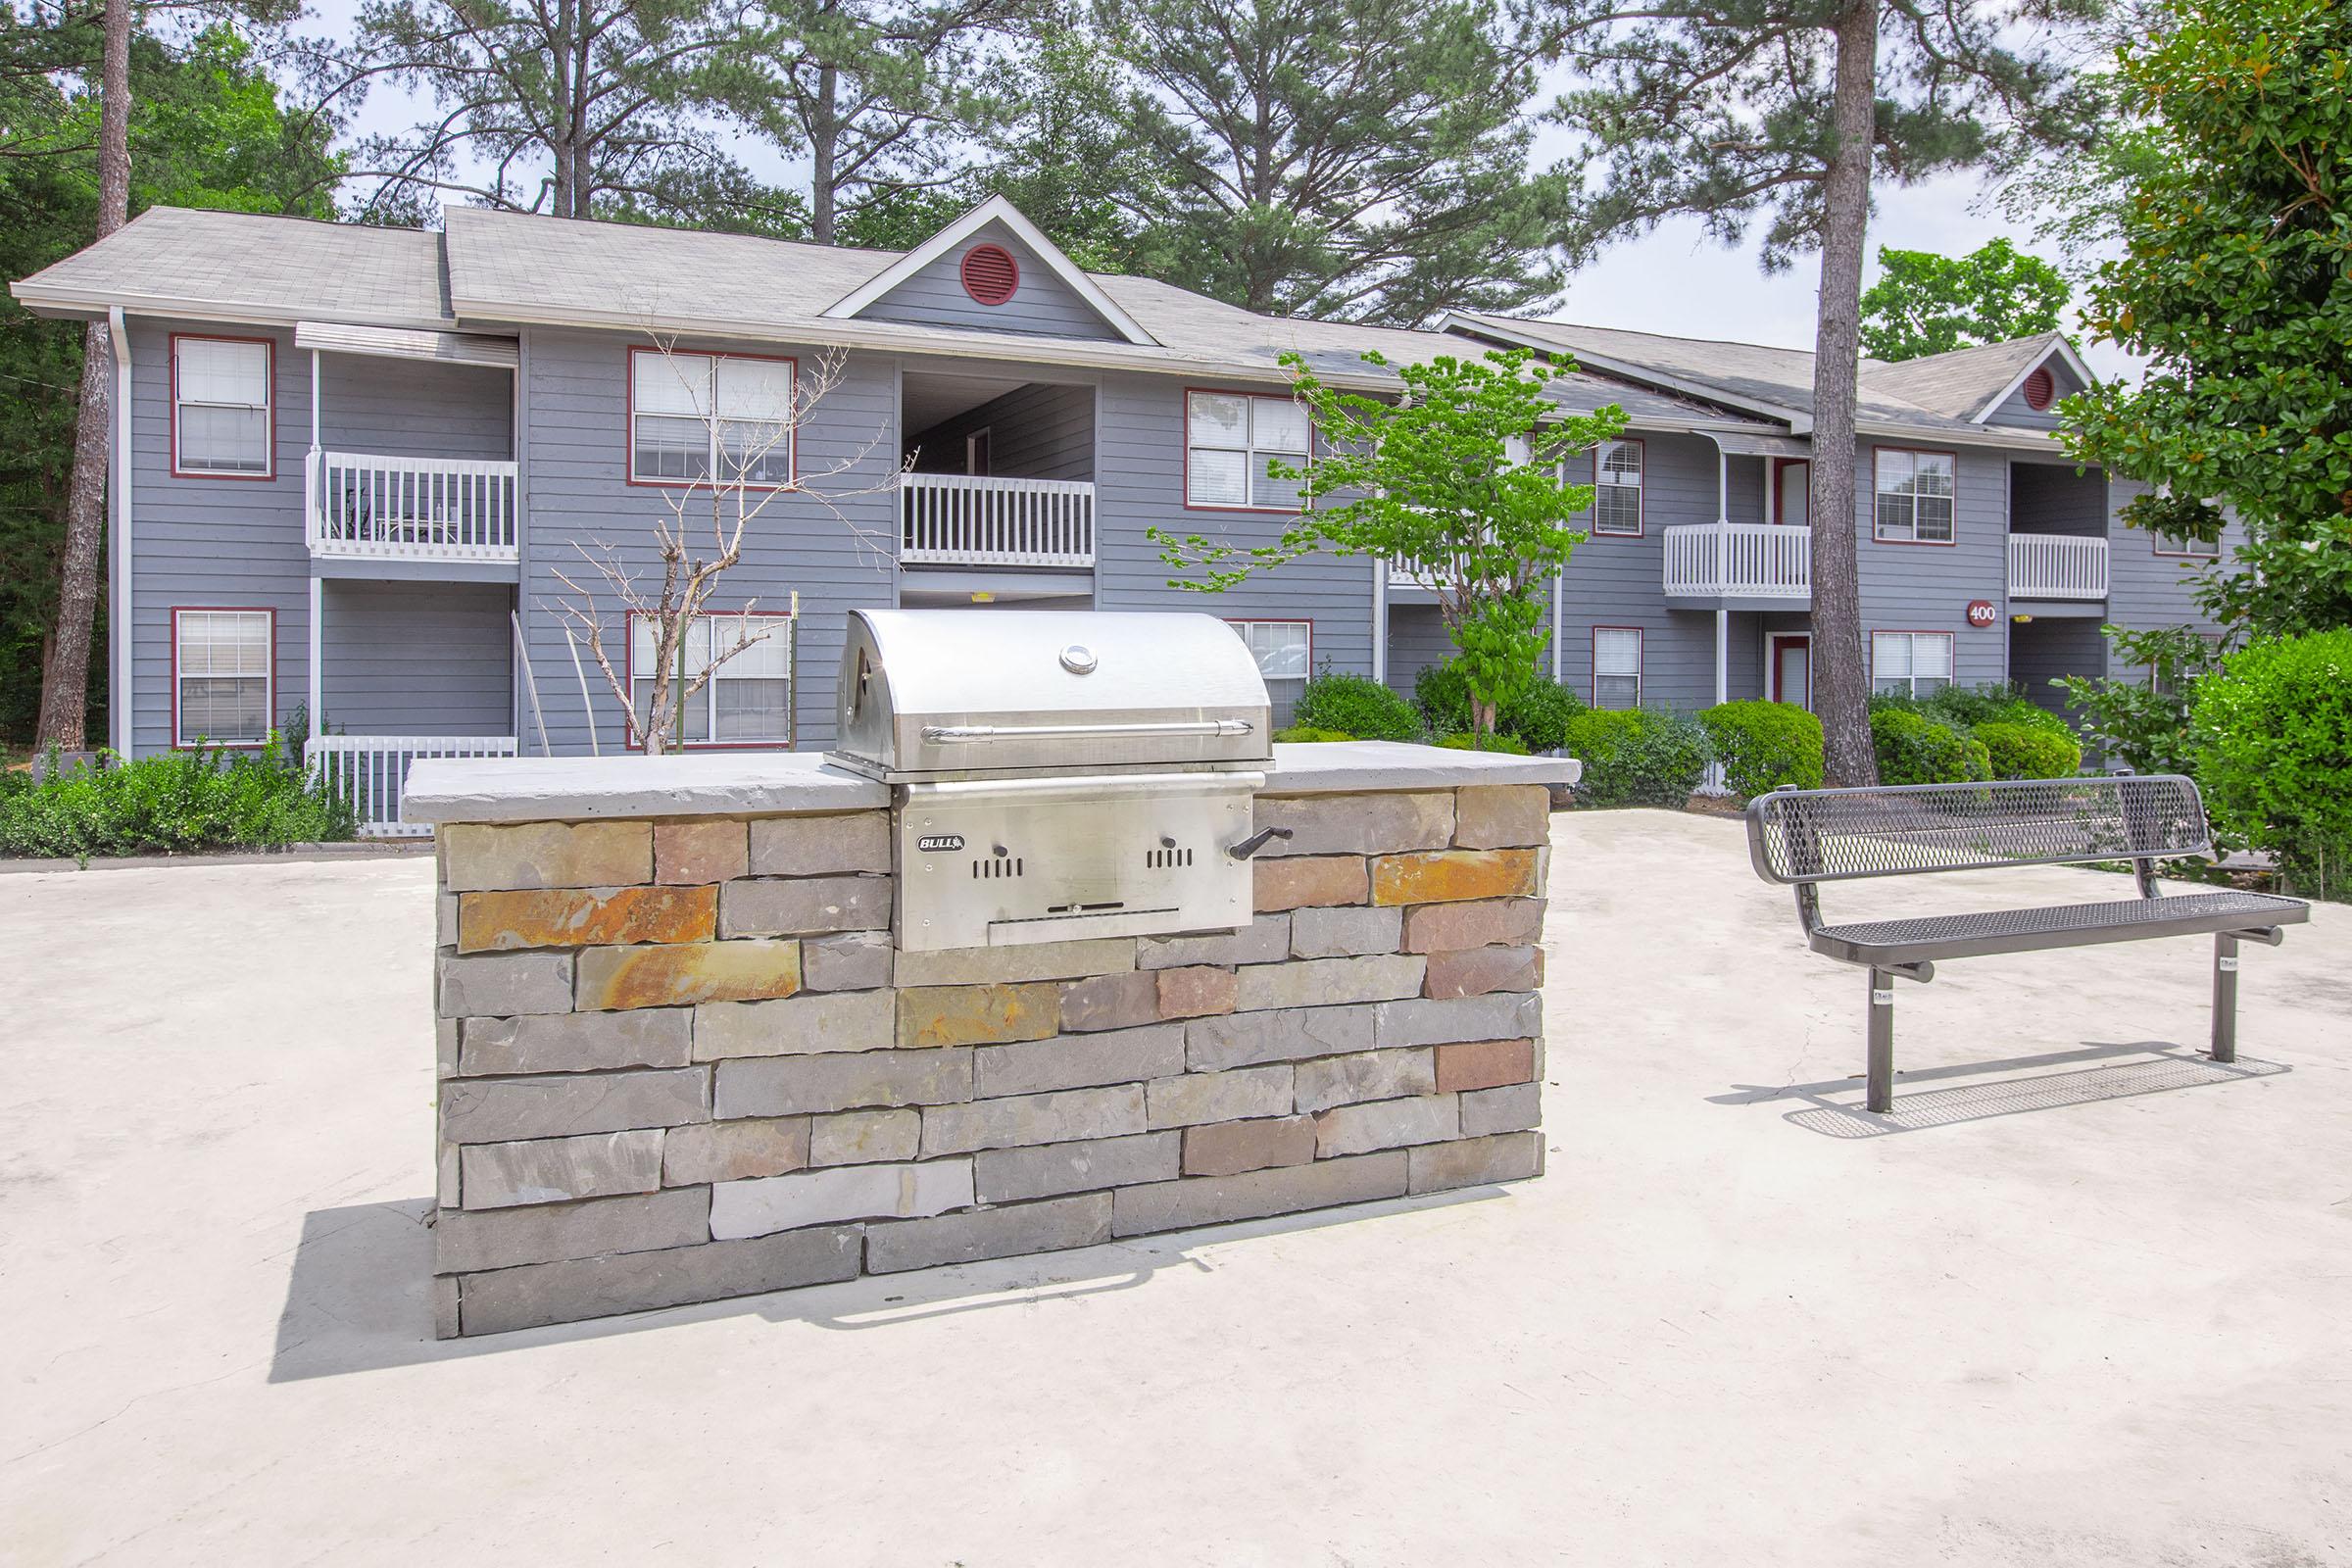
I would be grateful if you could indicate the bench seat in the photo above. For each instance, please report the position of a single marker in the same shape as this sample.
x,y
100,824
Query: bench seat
x,y
1883,943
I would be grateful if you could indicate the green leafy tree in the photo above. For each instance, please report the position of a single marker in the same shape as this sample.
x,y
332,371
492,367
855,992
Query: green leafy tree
x,y
1353,160
1448,477
2142,721
2232,284
1923,302
1779,112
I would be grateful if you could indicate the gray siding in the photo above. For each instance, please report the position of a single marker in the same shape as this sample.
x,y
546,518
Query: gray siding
x,y
413,409
2041,651
2013,410
2145,589
1909,587
417,658
1416,640
1042,303
2054,498
1037,432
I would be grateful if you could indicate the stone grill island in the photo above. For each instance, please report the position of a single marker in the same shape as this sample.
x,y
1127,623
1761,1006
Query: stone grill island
x,y
682,1058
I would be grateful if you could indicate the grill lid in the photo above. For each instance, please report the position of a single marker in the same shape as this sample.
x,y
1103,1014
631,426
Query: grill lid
x,y
930,692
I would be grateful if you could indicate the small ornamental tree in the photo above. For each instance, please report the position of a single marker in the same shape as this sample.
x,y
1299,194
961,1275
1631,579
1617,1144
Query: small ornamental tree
x,y
1459,478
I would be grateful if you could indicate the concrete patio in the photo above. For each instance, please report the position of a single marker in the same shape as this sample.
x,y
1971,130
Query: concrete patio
x,y
2084,1298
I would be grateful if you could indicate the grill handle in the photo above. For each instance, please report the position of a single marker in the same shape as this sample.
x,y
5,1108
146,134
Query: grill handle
x,y
957,734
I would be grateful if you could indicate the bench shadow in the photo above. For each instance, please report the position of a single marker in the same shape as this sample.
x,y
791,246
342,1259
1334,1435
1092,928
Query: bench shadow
x,y
1833,1109
359,1296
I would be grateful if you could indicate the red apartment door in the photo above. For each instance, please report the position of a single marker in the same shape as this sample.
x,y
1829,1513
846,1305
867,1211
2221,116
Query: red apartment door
x,y
1792,668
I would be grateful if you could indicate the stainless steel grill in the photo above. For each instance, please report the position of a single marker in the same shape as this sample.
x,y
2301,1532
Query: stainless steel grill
x,y
1057,774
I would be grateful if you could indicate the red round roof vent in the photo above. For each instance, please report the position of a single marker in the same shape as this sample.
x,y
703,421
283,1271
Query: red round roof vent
x,y
989,273
2040,388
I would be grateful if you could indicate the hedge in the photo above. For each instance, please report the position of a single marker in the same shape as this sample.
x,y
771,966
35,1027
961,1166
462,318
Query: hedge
x,y
1637,756
1765,746
1356,706
1914,748
1307,734
1484,743
2273,731
172,801
1540,715
2029,751
1443,694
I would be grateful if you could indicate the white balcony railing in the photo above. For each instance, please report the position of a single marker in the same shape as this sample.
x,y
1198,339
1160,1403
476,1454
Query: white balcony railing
x,y
410,508
2057,565
953,520
371,770
1410,574
1740,560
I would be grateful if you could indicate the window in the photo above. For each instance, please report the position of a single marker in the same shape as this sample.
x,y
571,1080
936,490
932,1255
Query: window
x,y
2174,544
1617,488
220,407
1616,666
220,677
692,415
748,700
1910,664
1229,437
1282,649
1915,496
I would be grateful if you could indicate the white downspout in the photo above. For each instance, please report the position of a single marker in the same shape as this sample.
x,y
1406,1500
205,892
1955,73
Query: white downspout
x,y
118,681
1380,619
1723,579
310,526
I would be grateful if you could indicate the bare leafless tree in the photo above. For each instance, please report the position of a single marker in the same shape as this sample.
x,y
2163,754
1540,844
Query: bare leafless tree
x,y
713,514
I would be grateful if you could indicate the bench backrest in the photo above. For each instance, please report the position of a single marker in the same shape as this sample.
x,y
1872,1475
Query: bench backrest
x,y
1801,835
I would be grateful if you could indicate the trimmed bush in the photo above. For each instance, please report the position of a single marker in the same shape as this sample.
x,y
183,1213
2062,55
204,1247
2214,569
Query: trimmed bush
x,y
1540,715
2273,731
1972,705
1443,694
1304,734
1765,746
1914,748
172,802
1358,706
1637,756
1488,743
2028,750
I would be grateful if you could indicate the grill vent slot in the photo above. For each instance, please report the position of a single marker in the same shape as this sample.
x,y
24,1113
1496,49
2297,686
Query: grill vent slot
x,y
1164,859
996,866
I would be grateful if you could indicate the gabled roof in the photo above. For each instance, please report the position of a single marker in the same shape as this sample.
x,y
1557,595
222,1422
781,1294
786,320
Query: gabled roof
x,y
995,210
1969,383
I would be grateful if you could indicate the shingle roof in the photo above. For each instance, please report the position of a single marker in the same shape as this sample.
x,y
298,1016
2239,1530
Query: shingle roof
x,y
1958,383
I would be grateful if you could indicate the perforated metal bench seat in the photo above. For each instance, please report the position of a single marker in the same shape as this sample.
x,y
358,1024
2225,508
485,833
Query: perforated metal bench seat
x,y
2064,925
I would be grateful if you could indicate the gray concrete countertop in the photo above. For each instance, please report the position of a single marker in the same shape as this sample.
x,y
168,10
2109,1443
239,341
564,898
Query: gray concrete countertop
x,y
541,789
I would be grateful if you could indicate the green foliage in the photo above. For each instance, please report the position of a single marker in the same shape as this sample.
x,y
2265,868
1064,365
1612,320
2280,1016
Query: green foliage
x,y
1362,707
2028,750
1637,756
2274,751
1443,694
1971,706
1918,748
1307,734
1447,476
172,802
2231,283
1923,302
1540,715
1765,746
1511,743
2143,723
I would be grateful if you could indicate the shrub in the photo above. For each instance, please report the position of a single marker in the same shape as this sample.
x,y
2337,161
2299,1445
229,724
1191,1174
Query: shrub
x,y
1637,756
1765,746
1486,743
1540,715
1916,747
172,802
1358,706
1298,734
1971,706
2272,730
1443,694
2029,751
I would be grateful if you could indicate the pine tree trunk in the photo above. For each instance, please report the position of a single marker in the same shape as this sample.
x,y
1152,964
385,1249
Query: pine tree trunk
x,y
1840,679
65,672
824,147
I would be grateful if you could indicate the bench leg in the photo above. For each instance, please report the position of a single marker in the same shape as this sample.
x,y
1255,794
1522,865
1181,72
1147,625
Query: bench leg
x,y
2225,996
1879,1093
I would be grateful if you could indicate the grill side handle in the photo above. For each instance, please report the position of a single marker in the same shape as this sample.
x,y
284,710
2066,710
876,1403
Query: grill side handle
x,y
959,734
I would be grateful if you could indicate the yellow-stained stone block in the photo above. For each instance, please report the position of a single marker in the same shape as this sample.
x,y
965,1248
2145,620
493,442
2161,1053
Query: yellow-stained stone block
x,y
1312,879
1449,877
482,855
611,918
700,971
976,1015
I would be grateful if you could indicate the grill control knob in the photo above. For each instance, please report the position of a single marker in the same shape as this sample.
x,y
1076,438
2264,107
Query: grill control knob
x,y
1078,660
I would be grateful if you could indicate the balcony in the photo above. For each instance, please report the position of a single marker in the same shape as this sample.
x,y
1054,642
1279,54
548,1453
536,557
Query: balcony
x,y
363,506
370,771
2057,565
1740,560
953,520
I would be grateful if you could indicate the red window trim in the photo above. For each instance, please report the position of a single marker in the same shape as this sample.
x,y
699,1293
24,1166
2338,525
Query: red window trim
x,y
269,422
628,678
270,702
1869,643
628,424
1780,466
1185,453
1878,538
963,275
1592,659
1640,493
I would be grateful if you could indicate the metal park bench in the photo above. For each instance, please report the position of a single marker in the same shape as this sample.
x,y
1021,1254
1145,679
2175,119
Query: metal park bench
x,y
1803,838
